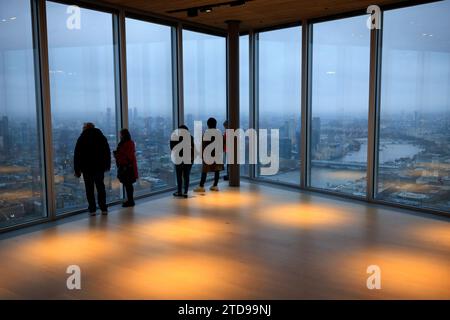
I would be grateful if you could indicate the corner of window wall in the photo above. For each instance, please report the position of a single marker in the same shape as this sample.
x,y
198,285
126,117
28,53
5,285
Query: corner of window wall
x,y
337,135
204,80
253,93
85,86
154,106
23,117
244,95
374,107
412,142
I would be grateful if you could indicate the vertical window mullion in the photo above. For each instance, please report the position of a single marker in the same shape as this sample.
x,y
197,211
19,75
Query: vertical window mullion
x,y
305,98
43,86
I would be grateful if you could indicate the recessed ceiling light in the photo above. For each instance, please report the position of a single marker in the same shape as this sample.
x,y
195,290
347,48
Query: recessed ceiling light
x,y
13,18
206,10
192,12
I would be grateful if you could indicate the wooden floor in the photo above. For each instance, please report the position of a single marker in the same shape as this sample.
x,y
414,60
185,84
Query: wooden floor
x,y
256,242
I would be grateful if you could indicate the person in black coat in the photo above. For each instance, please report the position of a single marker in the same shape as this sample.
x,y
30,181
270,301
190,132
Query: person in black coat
x,y
92,158
183,170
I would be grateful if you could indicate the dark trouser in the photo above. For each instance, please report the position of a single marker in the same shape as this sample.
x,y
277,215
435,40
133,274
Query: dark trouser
x,y
216,178
130,191
91,180
183,172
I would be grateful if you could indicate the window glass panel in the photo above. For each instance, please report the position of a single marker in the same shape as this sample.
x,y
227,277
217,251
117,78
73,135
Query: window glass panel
x,y
279,96
82,86
150,101
204,71
21,167
340,95
414,130
244,94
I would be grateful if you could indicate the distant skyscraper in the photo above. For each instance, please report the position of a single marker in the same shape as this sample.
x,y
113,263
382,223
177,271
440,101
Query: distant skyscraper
x,y
291,129
4,135
285,148
108,121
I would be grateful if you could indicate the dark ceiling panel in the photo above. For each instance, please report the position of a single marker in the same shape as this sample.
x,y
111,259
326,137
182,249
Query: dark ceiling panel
x,y
255,14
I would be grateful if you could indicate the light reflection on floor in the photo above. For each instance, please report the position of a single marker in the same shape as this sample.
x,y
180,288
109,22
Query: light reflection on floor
x,y
303,216
256,242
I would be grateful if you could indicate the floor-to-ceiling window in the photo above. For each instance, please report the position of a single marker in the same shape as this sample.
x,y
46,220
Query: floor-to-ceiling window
x,y
279,91
82,87
150,101
414,125
244,94
339,105
204,71
21,165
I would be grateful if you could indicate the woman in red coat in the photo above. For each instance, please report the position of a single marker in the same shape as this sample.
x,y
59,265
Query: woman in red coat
x,y
127,170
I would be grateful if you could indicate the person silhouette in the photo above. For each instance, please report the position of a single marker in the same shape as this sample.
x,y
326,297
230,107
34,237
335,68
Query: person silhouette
x,y
92,158
183,170
127,169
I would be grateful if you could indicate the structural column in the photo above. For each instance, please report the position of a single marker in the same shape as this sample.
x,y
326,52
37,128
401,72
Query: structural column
x,y
233,95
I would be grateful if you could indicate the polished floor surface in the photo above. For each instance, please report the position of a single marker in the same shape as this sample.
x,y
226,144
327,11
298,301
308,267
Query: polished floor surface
x,y
256,242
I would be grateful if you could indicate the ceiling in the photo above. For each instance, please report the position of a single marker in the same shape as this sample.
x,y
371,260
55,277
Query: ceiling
x,y
255,14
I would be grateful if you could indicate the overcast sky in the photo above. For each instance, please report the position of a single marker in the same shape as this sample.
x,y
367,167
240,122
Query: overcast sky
x,y
416,64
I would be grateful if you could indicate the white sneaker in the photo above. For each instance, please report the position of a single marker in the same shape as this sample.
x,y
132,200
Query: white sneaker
x,y
214,188
199,189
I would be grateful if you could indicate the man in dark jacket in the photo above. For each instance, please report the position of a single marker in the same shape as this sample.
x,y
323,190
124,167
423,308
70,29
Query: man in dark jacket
x,y
92,159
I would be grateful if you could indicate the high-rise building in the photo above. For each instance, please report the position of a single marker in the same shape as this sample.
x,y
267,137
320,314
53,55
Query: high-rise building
x,y
315,133
108,121
259,230
4,135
